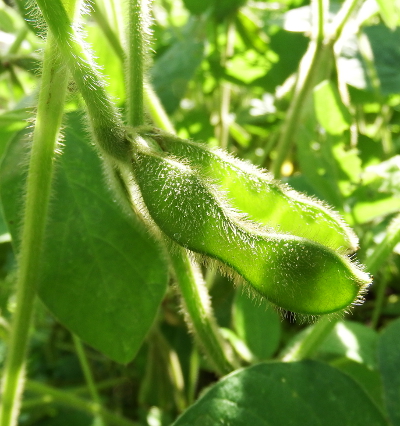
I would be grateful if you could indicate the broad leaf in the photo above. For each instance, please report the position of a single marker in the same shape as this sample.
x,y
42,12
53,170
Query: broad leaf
x,y
389,359
101,274
257,324
175,68
305,393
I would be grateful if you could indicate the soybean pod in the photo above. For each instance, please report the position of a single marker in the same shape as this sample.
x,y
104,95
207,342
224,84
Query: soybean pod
x,y
263,199
293,272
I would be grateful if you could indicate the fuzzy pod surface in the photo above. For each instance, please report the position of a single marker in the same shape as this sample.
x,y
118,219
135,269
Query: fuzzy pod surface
x,y
263,199
295,273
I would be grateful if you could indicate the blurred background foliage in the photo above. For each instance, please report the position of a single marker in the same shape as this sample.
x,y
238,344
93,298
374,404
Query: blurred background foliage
x,y
224,72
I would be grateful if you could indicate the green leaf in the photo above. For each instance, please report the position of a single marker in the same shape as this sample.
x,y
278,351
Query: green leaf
x,y
287,59
172,72
371,60
306,393
368,379
388,360
259,326
352,340
329,108
348,339
108,61
197,7
380,194
101,274
390,12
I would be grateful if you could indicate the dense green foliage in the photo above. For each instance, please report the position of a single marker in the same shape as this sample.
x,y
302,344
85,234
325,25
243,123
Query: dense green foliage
x,y
138,208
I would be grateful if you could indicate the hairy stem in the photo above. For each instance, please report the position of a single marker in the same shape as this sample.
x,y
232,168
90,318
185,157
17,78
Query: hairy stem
x,y
105,120
200,313
151,100
45,135
197,307
135,67
225,88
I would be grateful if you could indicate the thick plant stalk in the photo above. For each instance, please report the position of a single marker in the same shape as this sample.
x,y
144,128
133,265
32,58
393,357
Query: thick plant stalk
x,y
107,126
198,310
135,63
46,132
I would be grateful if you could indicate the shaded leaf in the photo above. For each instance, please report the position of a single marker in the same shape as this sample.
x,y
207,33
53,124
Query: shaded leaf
x,y
259,326
305,393
101,274
176,67
389,363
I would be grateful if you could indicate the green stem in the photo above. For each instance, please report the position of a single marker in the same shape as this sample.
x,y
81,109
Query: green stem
x,y
197,307
105,120
105,384
107,30
47,127
316,335
135,67
151,100
87,372
317,54
173,367
156,110
18,41
380,298
385,247
341,19
69,400
225,88
308,72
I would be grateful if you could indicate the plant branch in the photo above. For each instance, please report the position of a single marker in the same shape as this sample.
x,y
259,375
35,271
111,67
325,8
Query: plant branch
x,y
198,310
51,394
311,341
106,123
135,67
317,54
38,187
385,247
87,372
150,98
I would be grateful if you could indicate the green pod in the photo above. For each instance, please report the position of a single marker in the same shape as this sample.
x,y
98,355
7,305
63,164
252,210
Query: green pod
x,y
294,273
262,198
